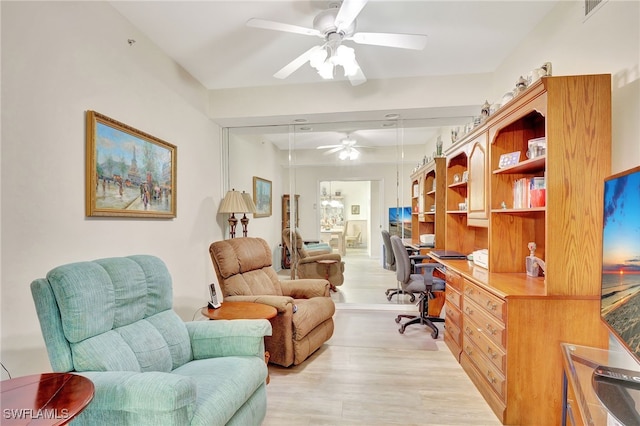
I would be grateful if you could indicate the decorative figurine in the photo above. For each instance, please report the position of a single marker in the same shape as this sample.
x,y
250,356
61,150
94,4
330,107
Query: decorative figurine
x,y
439,146
521,85
485,111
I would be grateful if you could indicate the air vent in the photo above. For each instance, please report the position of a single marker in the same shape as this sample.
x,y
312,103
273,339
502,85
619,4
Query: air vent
x,y
591,6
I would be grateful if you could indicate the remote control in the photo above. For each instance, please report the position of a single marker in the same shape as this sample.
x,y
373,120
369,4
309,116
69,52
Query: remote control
x,y
618,374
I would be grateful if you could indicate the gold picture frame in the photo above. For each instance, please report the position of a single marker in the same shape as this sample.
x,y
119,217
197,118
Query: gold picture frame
x,y
129,173
262,197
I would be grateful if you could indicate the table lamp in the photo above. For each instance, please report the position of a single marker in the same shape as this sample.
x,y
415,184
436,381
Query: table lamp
x,y
251,208
233,203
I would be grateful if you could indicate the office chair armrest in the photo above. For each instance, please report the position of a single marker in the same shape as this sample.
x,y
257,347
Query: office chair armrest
x,y
429,265
419,257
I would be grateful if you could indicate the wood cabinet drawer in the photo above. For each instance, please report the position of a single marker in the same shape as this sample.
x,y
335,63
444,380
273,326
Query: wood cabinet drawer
x,y
494,329
454,280
494,353
496,403
454,331
493,304
487,370
453,296
453,314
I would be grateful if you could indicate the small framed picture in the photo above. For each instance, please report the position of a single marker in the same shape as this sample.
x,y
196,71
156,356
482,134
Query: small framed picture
x,y
510,159
355,209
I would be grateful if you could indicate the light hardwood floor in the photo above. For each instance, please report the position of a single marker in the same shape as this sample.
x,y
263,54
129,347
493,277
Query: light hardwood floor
x,y
368,373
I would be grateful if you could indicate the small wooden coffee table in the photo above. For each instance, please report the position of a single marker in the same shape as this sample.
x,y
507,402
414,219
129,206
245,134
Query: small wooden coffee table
x,y
45,399
240,310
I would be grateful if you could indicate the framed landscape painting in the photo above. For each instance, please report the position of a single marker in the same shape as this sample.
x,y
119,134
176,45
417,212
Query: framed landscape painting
x,y
262,197
129,173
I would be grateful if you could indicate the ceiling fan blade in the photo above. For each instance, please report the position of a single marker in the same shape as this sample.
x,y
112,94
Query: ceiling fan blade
x,y
403,41
358,78
331,151
348,12
292,66
328,146
279,26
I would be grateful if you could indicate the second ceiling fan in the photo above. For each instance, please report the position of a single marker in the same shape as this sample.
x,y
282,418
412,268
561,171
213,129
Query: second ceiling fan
x,y
335,25
346,149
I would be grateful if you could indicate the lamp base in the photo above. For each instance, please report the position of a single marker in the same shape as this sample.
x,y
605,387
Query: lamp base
x,y
232,225
245,223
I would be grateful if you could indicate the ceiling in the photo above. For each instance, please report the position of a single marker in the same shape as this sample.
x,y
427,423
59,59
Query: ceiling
x,y
211,41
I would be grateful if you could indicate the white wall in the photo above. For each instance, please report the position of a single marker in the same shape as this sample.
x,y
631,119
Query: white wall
x,y
59,60
606,43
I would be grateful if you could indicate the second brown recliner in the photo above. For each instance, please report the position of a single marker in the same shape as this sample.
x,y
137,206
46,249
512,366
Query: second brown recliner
x,y
309,264
305,310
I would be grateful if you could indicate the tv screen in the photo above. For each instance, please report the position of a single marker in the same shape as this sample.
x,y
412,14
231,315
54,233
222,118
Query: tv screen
x,y
620,297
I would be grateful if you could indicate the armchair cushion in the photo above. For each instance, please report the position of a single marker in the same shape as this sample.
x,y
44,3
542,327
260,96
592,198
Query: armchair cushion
x,y
111,320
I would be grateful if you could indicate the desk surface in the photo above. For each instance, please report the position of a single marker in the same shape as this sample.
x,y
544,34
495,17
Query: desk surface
x,y
240,310
45,399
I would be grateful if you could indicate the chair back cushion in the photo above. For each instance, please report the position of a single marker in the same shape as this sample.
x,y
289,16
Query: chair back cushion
x,y
243,267
111,314
390,258
295,242
403,263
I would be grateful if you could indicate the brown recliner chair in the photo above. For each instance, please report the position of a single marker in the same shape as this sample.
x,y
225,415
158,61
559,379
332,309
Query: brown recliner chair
x,y
307,262
305,310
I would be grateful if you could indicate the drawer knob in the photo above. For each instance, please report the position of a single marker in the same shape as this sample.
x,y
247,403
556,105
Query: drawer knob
x,y
492,306
469,331
492,379
491,353
491,330
468,311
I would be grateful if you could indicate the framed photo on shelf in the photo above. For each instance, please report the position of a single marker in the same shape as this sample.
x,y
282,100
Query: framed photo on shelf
x,y
355,209
129,173
510,159
262,197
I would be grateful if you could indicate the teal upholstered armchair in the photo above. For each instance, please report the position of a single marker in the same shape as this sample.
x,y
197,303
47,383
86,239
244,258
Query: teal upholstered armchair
x,y
111,320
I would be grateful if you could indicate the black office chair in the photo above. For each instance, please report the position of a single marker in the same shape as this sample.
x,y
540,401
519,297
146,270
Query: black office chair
x,y
424,284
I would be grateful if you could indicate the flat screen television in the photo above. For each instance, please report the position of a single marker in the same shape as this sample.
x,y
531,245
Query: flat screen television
x,y
400,221
620,297
619,389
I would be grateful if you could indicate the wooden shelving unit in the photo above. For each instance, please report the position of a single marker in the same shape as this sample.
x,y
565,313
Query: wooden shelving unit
x,y
428,202
286,223
503,325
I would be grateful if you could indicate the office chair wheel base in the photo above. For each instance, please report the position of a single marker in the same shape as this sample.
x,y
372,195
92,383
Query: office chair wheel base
x,y
434,333
389,297
397,320
401,329
412,298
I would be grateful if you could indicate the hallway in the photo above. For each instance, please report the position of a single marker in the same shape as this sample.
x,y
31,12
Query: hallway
x,y
368,373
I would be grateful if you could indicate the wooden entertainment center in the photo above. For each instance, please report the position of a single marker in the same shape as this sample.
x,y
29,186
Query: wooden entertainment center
x,y
504,326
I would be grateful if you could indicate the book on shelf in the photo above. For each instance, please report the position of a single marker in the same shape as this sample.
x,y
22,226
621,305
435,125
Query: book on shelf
x,y
529,193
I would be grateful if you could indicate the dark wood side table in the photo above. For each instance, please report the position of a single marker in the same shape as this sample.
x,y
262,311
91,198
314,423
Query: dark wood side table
x,y
44,399
242,310
327,263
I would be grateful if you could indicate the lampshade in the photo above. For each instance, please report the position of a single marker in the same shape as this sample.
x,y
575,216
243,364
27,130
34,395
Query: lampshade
x,y
248,200
233,203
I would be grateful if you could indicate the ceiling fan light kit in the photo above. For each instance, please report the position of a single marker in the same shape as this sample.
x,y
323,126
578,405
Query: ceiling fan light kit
x,y
335,25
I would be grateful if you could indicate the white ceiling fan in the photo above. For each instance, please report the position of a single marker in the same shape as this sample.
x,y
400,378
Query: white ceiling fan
x,y
347,149
335,25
